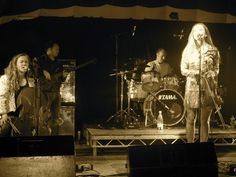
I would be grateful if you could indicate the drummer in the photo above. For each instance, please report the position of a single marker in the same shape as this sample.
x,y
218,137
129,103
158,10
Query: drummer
x,y
159,64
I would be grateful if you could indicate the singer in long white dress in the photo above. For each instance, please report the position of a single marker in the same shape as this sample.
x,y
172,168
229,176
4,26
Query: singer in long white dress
x,y
199,51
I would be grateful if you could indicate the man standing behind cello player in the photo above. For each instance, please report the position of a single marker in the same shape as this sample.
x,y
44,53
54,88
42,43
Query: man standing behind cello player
x,y
51,77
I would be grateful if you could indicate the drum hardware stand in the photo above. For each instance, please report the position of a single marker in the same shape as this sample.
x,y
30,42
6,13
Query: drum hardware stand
x,y
122,115
116,36
146,120
131,120
119,115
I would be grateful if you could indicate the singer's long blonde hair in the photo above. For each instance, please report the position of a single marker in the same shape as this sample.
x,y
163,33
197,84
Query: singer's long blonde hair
x,y
192,44
207,37
12,72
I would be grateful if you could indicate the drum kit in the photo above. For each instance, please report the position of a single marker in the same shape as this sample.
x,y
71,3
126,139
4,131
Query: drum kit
x,y
152,93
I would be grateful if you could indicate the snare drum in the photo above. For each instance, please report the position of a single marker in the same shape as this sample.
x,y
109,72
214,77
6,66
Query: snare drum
x,y
135,90
170,82
150,81
170,102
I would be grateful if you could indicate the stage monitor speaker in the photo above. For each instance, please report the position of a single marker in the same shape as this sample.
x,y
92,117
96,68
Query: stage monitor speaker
x,y
173,160
37,156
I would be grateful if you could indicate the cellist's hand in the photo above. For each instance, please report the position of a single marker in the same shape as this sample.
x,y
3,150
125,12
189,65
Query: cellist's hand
x,y
47,75
209,74
3,119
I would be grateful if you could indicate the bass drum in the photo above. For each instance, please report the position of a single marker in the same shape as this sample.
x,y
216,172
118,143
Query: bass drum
x,y
170,102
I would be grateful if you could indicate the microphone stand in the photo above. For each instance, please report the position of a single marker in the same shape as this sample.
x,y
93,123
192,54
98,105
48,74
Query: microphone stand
x,y
117,64
37,100
119,113
116,36
200,90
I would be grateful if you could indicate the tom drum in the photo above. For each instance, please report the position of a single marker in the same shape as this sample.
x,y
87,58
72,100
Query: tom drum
x,y
151,81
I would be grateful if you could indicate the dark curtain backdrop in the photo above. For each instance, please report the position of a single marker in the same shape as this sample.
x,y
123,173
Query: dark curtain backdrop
x,y
86,38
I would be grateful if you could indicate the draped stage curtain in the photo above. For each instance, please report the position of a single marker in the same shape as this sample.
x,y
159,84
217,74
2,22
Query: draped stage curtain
x,y
215,11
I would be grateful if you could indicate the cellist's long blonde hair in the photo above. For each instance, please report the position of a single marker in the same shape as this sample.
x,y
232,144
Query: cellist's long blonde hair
x,y
12,72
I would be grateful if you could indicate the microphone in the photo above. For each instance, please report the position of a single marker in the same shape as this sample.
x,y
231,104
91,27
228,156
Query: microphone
x,y
35,60
133,31
201,37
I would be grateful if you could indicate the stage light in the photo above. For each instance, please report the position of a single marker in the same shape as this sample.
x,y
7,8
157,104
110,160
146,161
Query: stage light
x,y
174,16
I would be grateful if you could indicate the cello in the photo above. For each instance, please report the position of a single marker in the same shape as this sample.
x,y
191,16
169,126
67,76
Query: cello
x,y
34,113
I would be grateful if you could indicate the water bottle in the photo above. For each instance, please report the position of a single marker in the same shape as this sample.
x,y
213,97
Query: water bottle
x,y
160,121
232,121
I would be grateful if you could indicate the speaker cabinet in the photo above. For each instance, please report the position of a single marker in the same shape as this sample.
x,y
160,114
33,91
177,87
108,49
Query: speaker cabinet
x,y
37,156
68,101
67,117
175,160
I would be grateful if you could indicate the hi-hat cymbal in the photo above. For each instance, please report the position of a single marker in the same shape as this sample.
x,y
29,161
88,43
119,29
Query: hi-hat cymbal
x,y
136,61
123,72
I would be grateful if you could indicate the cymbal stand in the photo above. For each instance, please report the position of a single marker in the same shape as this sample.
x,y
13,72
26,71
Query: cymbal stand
x,y
119,116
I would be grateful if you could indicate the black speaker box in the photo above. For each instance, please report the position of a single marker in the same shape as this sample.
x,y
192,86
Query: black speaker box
x,y
173,160
37,156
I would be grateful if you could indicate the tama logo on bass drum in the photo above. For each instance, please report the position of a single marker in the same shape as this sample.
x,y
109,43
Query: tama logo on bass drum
x,y
167,97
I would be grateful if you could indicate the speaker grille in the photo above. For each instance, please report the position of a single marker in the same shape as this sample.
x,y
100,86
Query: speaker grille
x,y
176,160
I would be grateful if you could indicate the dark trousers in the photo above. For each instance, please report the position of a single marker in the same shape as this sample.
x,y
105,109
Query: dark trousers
x,y
54,102
5,130
191,117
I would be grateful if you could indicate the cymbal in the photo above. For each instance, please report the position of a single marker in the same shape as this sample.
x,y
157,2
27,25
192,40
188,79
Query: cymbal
x,y
151,72
122,72
143,65
136,61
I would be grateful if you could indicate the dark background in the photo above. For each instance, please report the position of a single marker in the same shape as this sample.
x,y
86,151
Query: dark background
x,y
87,38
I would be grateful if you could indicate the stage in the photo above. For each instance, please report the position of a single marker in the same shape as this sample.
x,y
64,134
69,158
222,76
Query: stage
x,y
122,138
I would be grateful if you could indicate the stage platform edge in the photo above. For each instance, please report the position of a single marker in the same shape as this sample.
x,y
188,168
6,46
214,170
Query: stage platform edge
x,y
122,138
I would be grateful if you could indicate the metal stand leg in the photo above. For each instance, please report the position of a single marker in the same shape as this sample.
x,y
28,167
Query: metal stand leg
x,y
217,107
118,119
